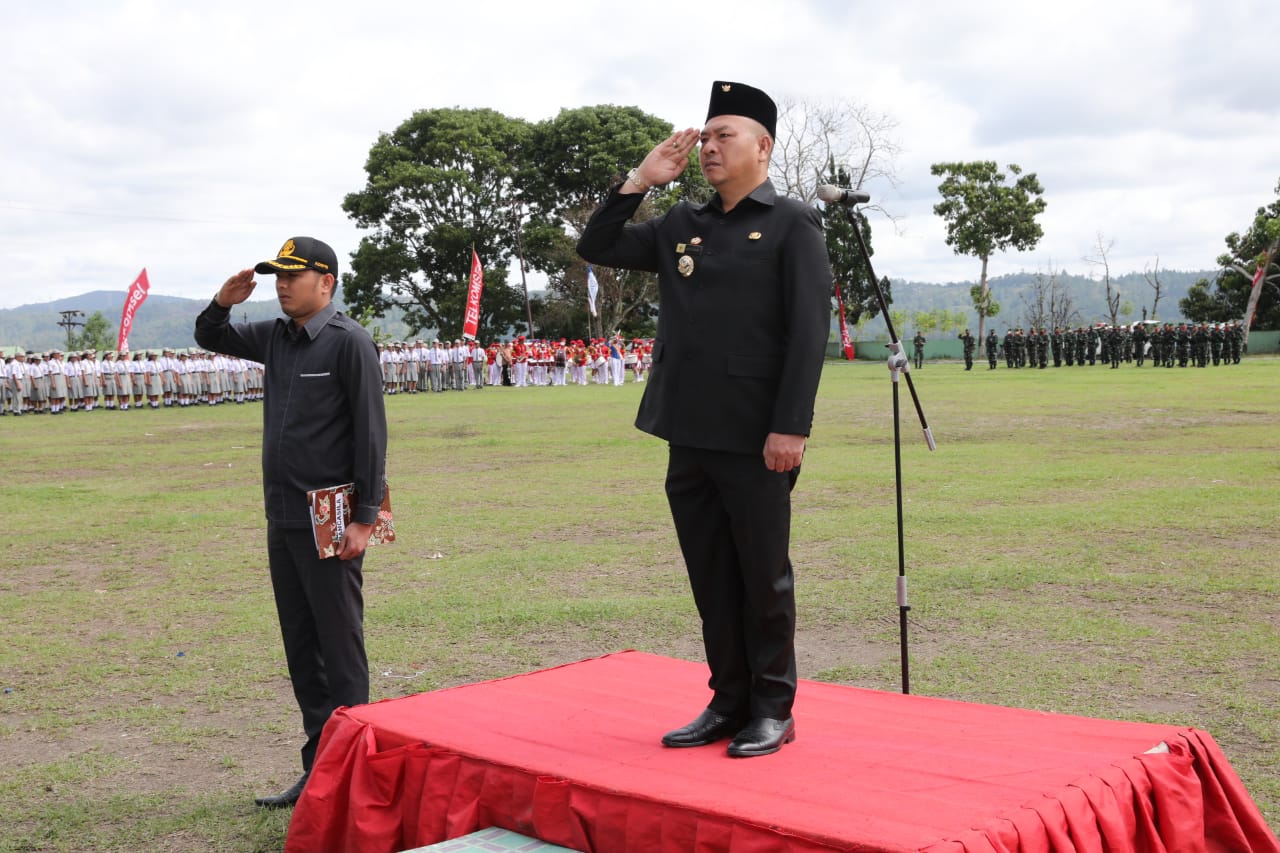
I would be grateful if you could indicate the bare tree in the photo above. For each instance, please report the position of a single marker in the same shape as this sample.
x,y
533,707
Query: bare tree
x,y
1103,248
1152,275
1049,305
844,143
1035,310
815,138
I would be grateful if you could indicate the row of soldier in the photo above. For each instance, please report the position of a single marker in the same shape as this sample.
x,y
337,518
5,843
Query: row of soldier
x,y
1184,344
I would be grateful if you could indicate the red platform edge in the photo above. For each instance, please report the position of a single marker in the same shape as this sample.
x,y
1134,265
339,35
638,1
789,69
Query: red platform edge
x,y
570,755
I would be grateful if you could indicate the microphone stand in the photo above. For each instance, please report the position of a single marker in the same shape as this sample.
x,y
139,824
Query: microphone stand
x,y
898,364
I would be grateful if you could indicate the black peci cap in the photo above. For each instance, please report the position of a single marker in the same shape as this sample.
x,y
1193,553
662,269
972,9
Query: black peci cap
x,y
739,99
301,253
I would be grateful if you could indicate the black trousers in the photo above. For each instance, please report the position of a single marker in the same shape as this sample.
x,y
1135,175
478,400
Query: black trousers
x,y
733,520
321,608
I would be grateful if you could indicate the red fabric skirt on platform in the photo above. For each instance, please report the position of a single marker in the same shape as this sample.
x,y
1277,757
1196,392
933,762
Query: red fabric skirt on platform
x,y
571,755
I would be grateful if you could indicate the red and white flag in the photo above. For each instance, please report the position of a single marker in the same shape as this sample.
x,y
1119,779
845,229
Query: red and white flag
x,y
471,323
845,343
1252,308
137,295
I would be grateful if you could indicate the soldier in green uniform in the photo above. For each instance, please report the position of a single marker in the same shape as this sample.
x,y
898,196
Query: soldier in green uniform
x,y
969,346
1182,340
1139,338
1216,338
993,345
918,343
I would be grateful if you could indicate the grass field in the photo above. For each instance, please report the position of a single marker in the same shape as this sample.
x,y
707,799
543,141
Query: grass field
x,y
1084,540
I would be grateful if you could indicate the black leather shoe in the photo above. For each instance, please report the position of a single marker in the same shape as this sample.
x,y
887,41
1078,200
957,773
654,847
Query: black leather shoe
x,y
284,798
762,736
708,728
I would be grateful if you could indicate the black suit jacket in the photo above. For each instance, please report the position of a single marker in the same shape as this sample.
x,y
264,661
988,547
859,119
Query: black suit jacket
x,y
741,336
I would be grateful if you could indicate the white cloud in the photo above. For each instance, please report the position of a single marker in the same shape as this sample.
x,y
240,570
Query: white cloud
x,y
192,140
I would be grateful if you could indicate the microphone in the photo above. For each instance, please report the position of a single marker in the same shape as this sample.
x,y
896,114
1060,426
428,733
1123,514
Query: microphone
x,y
839,195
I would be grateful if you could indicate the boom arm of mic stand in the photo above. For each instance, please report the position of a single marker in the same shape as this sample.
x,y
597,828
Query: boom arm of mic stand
x,y
855,219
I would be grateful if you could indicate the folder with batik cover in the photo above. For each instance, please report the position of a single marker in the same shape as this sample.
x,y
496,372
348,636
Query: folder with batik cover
x,y
331,513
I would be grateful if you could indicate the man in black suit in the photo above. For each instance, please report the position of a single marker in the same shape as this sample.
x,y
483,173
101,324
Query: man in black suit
x,y
745,308
324,424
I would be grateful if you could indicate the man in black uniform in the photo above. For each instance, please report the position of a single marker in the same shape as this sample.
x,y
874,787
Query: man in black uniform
x,y
993,347
323,425
744,308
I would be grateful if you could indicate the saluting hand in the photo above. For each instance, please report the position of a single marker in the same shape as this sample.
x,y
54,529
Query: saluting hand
x,y
236,289
669,158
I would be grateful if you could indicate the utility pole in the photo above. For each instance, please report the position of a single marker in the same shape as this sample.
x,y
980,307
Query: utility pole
x,y
69,322
516,215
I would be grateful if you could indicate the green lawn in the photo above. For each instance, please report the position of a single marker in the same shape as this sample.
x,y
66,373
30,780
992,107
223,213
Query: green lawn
x,y
1084,540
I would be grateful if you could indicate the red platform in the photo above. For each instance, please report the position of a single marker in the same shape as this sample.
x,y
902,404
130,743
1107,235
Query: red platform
x,y
571,756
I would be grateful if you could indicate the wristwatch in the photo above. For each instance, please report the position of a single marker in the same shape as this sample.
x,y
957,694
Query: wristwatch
x,y
634,177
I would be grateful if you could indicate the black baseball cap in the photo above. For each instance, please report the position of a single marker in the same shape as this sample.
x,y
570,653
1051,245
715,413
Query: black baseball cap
x,y
301,253
739,99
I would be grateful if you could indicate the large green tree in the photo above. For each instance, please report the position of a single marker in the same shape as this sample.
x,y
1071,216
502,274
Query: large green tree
x,y
1227,297
96,334
985,215
572,161
443,182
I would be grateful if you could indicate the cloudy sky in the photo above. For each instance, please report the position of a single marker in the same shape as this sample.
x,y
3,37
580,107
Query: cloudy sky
x,y
192,139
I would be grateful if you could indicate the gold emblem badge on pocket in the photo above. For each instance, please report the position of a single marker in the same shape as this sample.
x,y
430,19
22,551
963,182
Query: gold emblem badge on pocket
x,y
685,265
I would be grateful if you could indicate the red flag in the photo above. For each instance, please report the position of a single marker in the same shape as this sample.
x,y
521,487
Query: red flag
x,y
472,321
137,295
844,328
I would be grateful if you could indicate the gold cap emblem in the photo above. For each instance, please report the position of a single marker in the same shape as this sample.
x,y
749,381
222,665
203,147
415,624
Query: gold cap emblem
x,y
286,249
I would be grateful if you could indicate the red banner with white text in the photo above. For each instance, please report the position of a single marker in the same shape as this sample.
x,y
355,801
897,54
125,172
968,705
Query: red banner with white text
x,y
472,321
137,295
845,343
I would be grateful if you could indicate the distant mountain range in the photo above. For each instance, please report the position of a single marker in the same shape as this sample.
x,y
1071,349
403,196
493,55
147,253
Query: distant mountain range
x,y
166,321
162,321
1013,292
